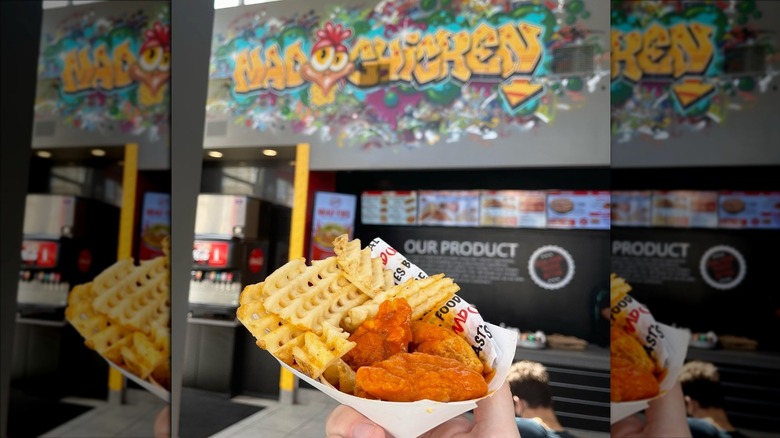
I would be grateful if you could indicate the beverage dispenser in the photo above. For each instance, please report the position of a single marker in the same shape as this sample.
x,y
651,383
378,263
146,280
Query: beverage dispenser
x,y
68,240
230,251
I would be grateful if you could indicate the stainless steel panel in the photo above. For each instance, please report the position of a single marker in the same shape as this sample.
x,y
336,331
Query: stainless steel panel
x,y
47,215
220,215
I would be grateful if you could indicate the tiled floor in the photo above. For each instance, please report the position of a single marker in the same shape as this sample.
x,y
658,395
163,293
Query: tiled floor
x,y
134,419
305,419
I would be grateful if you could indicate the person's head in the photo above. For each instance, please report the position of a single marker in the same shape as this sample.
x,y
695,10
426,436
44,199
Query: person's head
x,y
700,383
529,383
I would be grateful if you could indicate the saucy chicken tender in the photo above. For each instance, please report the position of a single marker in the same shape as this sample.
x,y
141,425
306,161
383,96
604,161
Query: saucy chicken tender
x,y
383,336
624,345
407,377
627,382
633,374
440,341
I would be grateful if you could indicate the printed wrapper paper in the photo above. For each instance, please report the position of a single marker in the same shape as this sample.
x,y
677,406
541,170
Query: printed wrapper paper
x,y
456,313
157,390
412,419
676,341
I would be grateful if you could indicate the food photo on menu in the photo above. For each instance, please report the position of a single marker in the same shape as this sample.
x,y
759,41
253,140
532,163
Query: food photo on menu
x,y
366,326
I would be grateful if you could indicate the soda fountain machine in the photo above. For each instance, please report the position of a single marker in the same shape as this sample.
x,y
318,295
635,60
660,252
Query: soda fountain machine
x,y
68,240
231,250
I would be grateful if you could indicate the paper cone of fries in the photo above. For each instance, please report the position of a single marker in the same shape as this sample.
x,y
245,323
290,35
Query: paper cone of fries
x,y
657,343
322,321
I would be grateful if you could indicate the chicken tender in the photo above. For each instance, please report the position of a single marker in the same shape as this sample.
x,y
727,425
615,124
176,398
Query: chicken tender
x,y
627,382
440,341
407,377
383,336
626,346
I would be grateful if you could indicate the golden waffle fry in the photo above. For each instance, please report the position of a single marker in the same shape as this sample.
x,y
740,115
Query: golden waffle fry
x,y
110,342
283,276
423,295
319,352
317,295
82,316
142,356
138,300
124,314
366,273
618,288
269,329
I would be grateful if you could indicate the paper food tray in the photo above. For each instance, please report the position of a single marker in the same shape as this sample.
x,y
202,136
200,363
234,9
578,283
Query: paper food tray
x,y
412,419
157,390
678,345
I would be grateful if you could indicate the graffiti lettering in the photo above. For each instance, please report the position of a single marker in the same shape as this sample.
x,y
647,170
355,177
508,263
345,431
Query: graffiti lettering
x,y
675,51
100,71
487,52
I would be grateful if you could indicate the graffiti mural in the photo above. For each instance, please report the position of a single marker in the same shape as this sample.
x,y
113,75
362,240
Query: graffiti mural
x,y
682,66
100,72
403,73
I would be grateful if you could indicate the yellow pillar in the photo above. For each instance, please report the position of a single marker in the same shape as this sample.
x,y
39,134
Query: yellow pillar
x,y
288,383
116,381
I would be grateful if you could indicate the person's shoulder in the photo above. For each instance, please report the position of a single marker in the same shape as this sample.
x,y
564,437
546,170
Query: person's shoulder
x,y
563,434
701,428
530,429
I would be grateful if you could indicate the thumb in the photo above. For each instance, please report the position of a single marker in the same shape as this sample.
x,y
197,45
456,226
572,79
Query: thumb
x,y
345,422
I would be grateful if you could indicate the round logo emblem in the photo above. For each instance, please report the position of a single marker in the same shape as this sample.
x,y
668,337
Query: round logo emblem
x,y
256,260
551,267
722,267
85,260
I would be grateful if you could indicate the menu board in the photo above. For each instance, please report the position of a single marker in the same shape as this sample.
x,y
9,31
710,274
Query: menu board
x,y
578,209
631,208
155,224
449,208
333,215
684,208
388,208
749,209
513,209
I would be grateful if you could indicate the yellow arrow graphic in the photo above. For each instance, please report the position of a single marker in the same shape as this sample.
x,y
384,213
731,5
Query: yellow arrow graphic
x,y
691,91
519,91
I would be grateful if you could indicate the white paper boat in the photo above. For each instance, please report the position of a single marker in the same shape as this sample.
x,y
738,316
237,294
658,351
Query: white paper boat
x,y
157,390
677,340
409,420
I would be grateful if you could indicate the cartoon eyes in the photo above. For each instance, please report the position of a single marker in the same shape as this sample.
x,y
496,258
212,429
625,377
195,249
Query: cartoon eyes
x,y
151,58
339,61
323,58
328,58
165,63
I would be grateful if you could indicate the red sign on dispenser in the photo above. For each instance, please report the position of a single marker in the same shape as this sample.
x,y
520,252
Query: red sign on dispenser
x,y
210,253
256,260
41,254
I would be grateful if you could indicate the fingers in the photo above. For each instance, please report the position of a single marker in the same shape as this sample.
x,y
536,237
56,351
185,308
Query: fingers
x,y
629,426
669,413
496,414
345,422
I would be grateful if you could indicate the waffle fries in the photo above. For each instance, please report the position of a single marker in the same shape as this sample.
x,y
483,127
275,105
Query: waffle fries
x,y
124,315
300,312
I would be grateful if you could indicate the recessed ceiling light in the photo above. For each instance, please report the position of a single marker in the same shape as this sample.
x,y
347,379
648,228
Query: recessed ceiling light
x,y
215,154
269,152
43,154
98,152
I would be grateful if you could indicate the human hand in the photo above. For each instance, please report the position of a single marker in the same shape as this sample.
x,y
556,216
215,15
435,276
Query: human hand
x,y
665,417
494,416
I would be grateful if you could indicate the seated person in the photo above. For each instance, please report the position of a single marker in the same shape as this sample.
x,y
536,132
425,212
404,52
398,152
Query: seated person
x,y
700,383
529,383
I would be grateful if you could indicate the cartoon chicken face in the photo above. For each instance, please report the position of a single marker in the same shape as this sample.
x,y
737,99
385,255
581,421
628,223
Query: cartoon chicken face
x,y
153,67
329,63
